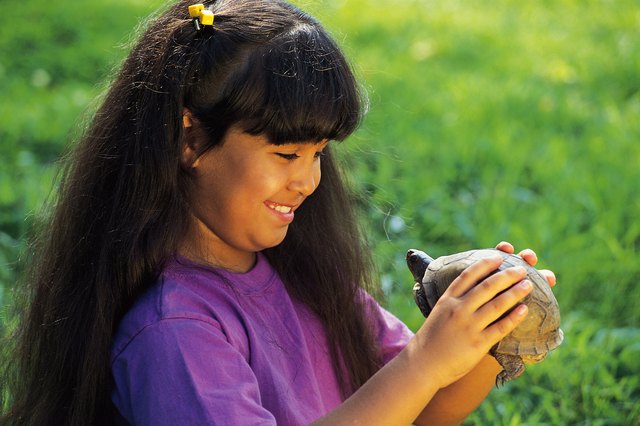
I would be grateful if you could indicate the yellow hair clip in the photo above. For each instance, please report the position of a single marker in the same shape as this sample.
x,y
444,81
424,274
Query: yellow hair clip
x,y
200,15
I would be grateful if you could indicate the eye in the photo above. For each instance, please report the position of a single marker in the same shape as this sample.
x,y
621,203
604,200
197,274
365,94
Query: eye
x,y
286,156
319,154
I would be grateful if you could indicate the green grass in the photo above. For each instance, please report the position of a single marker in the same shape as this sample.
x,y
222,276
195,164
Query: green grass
x,y
489,121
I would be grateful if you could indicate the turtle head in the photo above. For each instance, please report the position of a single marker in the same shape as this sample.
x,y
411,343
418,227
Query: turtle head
x,y
418,261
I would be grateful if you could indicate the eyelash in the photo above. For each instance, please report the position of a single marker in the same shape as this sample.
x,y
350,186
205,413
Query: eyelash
x,y
292,157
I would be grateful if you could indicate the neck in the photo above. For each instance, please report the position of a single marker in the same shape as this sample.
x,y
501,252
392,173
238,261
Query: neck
x,y
207,249
211,259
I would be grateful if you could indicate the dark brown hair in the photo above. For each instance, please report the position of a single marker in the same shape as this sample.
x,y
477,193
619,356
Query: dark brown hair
x,y
265,66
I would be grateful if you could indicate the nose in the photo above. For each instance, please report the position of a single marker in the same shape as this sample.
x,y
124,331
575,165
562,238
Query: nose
x,y
306,178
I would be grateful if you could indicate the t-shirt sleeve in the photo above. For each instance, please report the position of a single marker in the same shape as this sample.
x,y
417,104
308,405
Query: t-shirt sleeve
x,y
392,334
184,371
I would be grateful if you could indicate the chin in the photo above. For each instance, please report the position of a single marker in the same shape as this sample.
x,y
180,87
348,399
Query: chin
x,y
275,241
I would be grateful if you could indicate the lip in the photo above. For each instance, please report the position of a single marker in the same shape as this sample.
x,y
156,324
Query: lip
x,y
284,216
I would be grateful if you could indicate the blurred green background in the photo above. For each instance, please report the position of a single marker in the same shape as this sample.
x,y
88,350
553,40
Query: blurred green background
x,y
489,121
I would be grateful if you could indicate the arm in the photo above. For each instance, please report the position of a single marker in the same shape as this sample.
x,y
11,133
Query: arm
x,y
434,359
455,402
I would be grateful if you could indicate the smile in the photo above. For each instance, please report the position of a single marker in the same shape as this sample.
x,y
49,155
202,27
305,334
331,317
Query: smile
x,y
279,208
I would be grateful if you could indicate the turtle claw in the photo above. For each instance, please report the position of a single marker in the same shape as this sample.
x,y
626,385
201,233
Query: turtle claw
x,y
512,368
502,378
421,299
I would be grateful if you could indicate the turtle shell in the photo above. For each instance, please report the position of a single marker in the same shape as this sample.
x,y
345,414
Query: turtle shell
x,y
540,331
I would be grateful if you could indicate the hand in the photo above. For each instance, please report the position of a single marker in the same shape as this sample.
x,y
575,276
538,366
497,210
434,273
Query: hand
x,y
465,322
530,257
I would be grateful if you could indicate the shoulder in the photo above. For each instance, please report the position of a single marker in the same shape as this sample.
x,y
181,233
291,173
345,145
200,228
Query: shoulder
x,y
194,295
166,302
180,295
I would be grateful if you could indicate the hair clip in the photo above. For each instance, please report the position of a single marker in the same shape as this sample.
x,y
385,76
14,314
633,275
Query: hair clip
x,y
200,15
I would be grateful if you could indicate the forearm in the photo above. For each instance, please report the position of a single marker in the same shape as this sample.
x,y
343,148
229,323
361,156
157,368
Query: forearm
x,y
395,395
452,404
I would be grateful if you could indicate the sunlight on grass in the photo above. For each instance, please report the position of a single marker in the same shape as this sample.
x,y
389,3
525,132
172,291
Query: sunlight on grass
x,y
488,121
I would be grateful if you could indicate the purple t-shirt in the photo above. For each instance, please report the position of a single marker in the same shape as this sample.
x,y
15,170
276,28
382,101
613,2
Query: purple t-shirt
x,y
208,346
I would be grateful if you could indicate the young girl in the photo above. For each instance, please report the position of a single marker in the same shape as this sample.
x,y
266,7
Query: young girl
x,y
203,263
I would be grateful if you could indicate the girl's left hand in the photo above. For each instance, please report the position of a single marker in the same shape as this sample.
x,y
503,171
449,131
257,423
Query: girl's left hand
x,y
530,257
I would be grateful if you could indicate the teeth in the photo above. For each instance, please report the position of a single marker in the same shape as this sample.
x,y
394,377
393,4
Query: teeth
x,y
281,209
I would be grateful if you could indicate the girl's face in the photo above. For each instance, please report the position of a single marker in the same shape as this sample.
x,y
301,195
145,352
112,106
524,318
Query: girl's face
x,y
245,195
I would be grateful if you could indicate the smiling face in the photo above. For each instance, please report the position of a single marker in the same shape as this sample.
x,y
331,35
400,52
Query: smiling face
x,y
244,196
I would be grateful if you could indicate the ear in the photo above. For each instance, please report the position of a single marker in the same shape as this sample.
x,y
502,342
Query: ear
x,y
189,158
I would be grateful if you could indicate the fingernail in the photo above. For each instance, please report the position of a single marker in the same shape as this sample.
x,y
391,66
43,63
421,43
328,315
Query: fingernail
x,y
525,284
521,309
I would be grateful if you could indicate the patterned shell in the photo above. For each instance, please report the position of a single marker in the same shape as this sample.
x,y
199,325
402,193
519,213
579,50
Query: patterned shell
x,y
540,331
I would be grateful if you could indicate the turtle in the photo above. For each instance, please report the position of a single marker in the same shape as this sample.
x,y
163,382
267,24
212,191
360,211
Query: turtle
x,y
528,343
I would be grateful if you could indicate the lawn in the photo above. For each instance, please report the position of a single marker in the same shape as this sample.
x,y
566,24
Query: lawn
x,y
487,121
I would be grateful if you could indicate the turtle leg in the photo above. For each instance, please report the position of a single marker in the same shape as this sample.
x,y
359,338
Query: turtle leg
x,y
512,367
421,300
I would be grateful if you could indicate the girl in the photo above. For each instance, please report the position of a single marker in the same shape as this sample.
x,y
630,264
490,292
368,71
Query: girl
x,y
203,264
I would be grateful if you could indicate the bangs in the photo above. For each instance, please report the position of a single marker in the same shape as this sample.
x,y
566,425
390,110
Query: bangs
x,y
296,87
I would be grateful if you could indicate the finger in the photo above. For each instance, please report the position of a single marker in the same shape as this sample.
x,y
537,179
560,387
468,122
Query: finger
x,y
473,274
505,247
549,275
500,329
497,307
529,256
493,285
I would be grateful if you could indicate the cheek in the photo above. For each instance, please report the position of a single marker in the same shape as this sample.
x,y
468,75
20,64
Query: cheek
x,y
256,184
239,176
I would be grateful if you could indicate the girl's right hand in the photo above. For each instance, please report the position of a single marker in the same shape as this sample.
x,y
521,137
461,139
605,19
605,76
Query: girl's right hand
x,y
460,330
465,322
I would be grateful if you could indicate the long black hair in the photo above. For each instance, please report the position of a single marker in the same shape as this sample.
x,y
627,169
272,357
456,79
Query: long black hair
x,y
122,206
